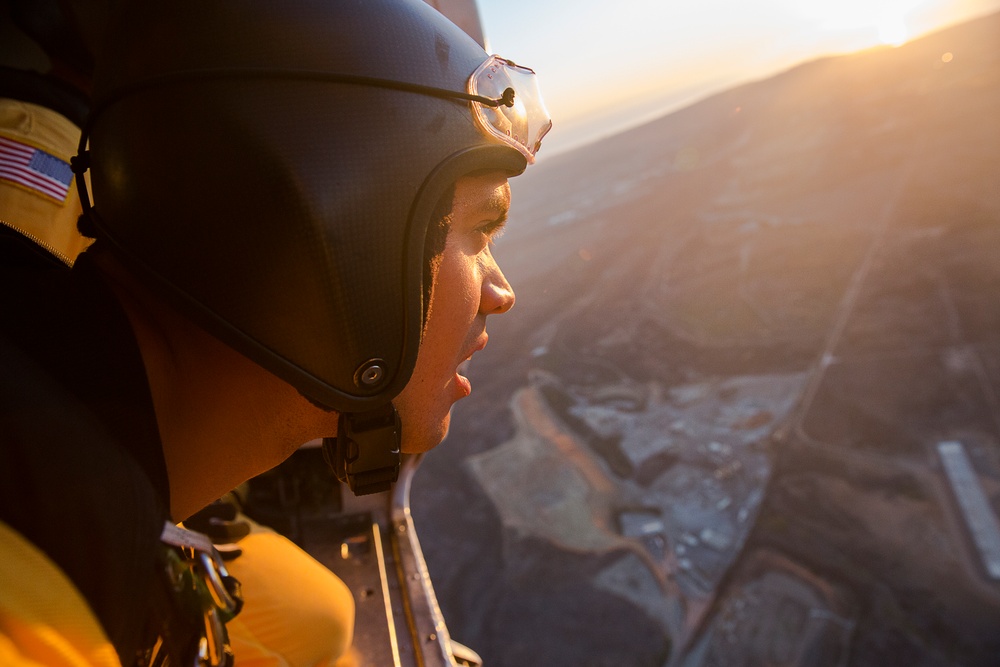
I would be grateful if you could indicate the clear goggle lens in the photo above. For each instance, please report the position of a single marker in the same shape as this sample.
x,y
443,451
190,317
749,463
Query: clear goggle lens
x,y
520,119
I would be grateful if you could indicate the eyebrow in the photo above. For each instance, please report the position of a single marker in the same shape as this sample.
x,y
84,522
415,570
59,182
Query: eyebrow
x,y
500,220
498,202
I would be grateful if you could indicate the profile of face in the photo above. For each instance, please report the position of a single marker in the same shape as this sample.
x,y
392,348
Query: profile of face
x,y
468,286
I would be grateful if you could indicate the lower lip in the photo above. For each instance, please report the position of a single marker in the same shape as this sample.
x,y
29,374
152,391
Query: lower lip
x,y
463,384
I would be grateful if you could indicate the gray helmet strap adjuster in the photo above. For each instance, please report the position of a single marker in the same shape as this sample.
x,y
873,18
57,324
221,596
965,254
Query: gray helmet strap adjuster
x,y
366,452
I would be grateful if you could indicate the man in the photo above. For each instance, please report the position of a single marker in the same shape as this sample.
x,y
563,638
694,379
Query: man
x,y
297,612
293,206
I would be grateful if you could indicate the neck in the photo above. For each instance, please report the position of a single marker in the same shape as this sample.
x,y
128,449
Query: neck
x,y
222,418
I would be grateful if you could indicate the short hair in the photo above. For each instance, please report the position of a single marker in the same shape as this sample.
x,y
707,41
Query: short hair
x,y
434,242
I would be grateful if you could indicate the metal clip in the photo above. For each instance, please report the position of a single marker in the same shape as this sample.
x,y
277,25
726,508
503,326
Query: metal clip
x,y
209,590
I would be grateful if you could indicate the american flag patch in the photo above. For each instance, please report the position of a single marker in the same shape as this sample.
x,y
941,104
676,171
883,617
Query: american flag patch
x,y
34,168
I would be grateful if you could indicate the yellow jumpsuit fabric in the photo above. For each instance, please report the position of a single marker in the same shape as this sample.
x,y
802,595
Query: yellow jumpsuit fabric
x,y
296,613
44,620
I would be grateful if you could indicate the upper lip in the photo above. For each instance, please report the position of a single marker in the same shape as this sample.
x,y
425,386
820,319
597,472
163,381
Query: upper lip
x,y
480,344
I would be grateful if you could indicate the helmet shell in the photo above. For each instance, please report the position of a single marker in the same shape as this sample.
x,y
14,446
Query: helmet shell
x,y
285,212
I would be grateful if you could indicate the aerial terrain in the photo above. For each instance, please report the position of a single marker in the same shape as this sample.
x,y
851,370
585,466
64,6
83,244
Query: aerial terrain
x,y
746,410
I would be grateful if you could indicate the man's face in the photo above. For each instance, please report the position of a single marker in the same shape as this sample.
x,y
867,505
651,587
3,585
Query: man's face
x,y
468,285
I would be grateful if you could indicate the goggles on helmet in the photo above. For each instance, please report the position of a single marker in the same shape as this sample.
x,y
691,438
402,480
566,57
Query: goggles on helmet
x,y
516,114
505,98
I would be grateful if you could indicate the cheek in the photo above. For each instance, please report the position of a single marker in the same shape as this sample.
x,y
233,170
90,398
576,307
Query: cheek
x,y
452,311
455,300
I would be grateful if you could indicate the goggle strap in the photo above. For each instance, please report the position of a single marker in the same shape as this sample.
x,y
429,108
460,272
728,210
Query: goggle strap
x,y
507,99
81,161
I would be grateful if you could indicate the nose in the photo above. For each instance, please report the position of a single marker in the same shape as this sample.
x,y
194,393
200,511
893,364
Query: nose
x,y
497,294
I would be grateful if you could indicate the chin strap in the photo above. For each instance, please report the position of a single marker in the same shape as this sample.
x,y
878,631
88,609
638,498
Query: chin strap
x,y
365,453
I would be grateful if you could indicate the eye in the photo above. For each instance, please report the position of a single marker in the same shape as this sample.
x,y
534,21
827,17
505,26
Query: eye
x,y
494,229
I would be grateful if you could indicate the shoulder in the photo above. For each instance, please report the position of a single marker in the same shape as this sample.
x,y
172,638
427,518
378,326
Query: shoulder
x,y
81,471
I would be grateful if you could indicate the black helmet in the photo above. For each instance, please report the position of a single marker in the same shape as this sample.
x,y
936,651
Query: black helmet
x,y
273,166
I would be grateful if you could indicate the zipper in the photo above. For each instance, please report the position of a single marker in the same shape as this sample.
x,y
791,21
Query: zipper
x,y
39,242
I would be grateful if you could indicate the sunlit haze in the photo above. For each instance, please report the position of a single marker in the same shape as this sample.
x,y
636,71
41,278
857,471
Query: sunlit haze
x,y
608,65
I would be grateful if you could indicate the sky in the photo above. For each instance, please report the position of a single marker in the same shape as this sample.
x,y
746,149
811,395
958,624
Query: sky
x,y
606,65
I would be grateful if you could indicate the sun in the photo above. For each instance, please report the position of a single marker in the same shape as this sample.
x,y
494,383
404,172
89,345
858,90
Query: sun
x,y
892,30
883,21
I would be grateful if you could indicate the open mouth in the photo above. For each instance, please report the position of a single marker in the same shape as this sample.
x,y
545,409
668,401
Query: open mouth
x,y
462,380
462,370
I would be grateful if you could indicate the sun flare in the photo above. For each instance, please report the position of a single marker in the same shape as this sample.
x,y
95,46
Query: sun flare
x,y
884,20
893,31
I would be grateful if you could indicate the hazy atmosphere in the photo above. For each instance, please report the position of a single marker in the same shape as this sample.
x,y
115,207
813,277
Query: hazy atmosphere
x,y
608,65
745,411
